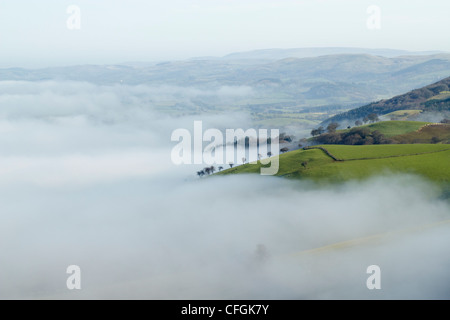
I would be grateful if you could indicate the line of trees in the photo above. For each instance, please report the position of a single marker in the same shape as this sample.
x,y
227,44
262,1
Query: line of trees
x,y
333,126
355,136
209,170
371,118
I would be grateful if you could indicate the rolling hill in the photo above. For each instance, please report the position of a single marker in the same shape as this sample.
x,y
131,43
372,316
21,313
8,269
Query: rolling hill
x,y
393,128
388,132
278,54
432,98
337,163
276,88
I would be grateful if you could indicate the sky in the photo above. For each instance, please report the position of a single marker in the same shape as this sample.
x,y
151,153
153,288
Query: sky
x,y
36,33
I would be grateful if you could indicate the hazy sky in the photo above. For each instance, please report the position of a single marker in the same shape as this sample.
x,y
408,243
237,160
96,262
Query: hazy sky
x,y
35,33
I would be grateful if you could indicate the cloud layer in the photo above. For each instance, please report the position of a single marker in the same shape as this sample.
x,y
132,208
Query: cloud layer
x,y
86,179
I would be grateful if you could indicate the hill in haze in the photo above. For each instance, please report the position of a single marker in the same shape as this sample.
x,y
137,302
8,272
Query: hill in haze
x,y
278,54
432,98
276,88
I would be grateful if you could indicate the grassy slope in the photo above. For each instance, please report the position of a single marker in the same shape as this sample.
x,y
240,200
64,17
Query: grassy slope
x,y
402,115
413,100
321,167
382,151
394,128
410,131
426,134
442,96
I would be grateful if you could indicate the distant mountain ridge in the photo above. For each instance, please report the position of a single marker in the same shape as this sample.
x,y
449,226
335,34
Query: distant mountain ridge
x,y
272,92
278,54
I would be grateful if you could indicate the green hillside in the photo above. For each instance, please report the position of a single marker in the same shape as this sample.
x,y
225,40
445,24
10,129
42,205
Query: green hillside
x,y
432,98
403,115
434,133
388,132
358,162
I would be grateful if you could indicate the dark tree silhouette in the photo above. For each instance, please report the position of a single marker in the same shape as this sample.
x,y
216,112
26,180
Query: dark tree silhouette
x,y
201,173
331,128
435,140
283,150
373,117
318,131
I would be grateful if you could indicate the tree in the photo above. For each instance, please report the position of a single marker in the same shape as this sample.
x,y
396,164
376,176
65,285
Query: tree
x,y
318,131
378,137
329,138
373,117
212,169
283,150
305,164
285,137
269,154
201,173
435,140
354,139
368,140
366,119
220,168
358,123
208,170
231,165
331,128
363,132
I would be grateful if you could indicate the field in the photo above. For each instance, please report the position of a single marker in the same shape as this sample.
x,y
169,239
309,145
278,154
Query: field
x,y
442,96
434,133
358,162
394,128
401,115
382,151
